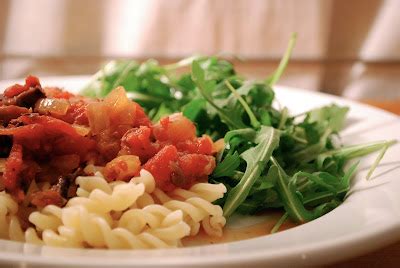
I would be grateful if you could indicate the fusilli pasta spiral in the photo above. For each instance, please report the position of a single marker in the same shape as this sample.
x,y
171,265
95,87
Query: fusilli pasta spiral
x,y
206,191
81,227
10,227
48,218
121,198
196,206
134,214
196,210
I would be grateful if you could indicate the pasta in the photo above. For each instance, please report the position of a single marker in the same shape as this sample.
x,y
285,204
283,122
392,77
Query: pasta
x,y
121,198
48,218
196,205
10,227
81,227
119,215
196,210
206,191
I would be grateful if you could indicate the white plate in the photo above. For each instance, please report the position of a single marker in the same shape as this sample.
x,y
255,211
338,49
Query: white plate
x,y
367,220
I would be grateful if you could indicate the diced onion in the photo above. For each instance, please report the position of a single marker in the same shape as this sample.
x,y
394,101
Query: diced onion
x,y
81,130
122,109
116,109
98,115
52,106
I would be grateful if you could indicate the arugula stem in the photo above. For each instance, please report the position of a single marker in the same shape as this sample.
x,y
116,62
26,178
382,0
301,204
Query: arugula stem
x,y
354,151
301,140
303,186
221,114
377,160
279,223
253,120
284,61
316,180
323,195
284,117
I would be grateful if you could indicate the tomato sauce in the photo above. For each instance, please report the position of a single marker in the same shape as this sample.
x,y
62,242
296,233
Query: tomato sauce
x,y
54,134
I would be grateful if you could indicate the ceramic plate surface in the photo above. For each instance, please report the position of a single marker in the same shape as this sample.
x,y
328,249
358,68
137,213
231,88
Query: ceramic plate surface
x,y
367,220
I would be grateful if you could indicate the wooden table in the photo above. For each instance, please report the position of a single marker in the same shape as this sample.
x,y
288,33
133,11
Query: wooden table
x,y
334,77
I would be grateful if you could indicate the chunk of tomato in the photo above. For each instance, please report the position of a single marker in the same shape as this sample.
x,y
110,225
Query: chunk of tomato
x,y
174,128
202,145
161,167
192,168
137,141
141,118
13,168
30,81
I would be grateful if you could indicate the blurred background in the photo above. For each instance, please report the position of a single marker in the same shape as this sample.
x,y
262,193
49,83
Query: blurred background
x,y
344,47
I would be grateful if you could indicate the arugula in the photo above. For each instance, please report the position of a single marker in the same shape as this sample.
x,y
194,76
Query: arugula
x,y
227,167
271,159
331,116
206,87
284,61
256,157
293,200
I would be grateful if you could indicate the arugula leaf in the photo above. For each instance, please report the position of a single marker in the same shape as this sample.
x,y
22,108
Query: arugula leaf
x,y
252,203
253,120
332,116
266,140
342,187
162,110
288,193
206,87
193,109
259,95
294,204
311,152
103,81
227,167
